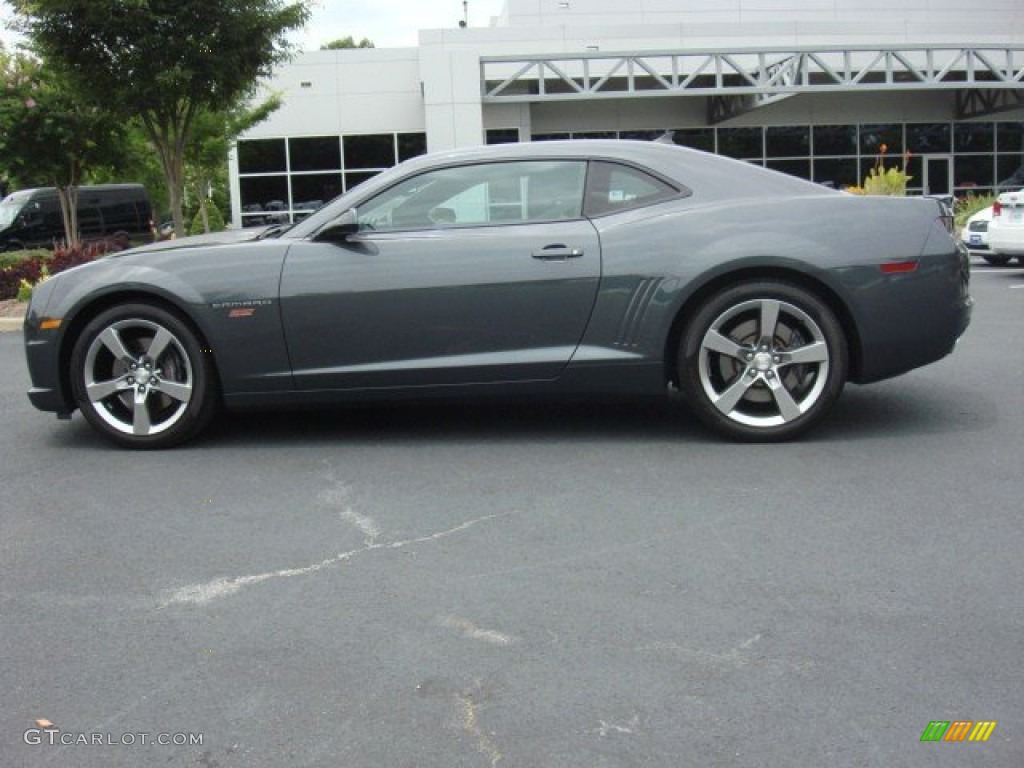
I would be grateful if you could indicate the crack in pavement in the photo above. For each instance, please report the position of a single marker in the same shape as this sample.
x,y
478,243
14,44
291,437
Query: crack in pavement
x,y
197,594
471,631
469,722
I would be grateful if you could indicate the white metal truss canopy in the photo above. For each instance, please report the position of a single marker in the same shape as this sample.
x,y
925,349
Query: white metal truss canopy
x,y
743,79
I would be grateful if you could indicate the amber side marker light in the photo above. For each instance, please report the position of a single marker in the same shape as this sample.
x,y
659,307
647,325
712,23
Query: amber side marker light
x,y
898,267
49,324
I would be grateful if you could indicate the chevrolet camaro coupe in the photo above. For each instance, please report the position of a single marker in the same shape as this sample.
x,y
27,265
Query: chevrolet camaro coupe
x,y
566,268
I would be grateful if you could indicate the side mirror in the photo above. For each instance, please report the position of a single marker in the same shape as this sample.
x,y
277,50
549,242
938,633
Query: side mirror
x,y
341,229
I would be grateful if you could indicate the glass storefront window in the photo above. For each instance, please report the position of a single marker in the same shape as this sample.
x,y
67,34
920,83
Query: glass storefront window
x,y
353,180
310,191
1010,170
801,168
836,172
928,138
872,137
263,190
741,143
982,155
502,135
698,138
641,135
973,137
913,167
321,153
973,171
262,156
1010,137
788,141
835,140
369,151
411,145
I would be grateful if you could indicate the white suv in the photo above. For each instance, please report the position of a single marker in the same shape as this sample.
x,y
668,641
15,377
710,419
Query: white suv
x,y
1006,230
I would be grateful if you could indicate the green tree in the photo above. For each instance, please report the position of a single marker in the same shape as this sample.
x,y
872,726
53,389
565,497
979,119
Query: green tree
x,y
214,132
163,61
346,42
49,137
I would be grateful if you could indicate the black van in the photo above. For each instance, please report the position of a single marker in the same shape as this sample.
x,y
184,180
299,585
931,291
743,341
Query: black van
x,y
31,217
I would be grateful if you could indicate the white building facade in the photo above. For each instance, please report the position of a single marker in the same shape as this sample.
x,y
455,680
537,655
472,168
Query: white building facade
x,y
815,88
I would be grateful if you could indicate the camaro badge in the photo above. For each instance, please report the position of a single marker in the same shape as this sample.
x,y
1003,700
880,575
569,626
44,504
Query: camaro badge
x,y
239,309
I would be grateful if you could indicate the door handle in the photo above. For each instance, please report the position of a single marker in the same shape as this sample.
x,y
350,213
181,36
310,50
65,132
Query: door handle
x,y
557,253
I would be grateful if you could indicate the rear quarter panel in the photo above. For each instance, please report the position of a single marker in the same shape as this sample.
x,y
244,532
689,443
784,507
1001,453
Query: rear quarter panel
x,y
657,262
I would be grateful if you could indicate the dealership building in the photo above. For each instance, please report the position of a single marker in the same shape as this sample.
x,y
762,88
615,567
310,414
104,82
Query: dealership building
x,y
821,89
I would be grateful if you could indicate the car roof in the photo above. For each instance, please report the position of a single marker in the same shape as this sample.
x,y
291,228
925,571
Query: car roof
x,y
621,149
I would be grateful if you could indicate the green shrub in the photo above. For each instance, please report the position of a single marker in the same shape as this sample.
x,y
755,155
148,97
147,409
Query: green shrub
x,y
886,181
11,258
968,205
24,290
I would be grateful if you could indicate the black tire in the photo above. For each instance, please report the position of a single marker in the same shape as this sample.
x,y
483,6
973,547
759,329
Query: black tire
x,y
996,260
757,387
137,406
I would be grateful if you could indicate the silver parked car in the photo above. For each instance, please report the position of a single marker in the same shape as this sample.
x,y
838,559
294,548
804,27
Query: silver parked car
x,y
556,267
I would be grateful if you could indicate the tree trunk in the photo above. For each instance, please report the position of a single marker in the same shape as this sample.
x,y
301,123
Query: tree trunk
x,y
169,139
204,209
176,195
68,197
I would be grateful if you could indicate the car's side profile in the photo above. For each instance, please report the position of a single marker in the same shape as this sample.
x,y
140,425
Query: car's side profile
x,y
566,267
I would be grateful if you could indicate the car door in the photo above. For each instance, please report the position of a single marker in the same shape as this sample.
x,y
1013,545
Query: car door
x,y
475,273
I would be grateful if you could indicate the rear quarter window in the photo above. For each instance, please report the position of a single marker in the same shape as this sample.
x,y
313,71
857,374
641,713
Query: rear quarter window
x,y
613,187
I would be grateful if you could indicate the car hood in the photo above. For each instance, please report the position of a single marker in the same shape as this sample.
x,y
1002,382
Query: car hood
x,y
225,237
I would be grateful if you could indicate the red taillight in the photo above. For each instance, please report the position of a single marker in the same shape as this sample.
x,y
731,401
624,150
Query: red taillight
x,y
997,208
898,267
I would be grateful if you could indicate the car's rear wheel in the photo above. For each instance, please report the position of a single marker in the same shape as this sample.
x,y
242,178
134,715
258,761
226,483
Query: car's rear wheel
x,y
997,261
140,377
763,361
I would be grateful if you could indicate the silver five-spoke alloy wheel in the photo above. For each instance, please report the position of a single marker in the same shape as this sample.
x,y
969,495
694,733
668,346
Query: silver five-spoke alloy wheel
x,y
763,360
140,376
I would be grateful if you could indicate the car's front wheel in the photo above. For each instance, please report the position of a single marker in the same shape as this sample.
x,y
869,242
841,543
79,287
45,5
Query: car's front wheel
x,y
140,377
762,361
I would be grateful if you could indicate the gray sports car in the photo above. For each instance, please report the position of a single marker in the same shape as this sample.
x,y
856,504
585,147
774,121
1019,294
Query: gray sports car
x,y
560,267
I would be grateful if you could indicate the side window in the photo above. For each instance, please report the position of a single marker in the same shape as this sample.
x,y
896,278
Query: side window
x,y
613,187
480,195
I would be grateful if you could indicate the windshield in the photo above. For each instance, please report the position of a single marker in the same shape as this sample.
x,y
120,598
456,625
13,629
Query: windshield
x,y
9,210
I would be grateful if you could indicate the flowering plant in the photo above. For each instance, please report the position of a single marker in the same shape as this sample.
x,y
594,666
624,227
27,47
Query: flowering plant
x,y
885,181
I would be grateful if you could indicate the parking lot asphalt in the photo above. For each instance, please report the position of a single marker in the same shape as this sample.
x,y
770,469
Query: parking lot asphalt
x,y
592,584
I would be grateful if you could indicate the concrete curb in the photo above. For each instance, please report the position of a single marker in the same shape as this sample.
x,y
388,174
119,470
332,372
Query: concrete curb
x,y
11,324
